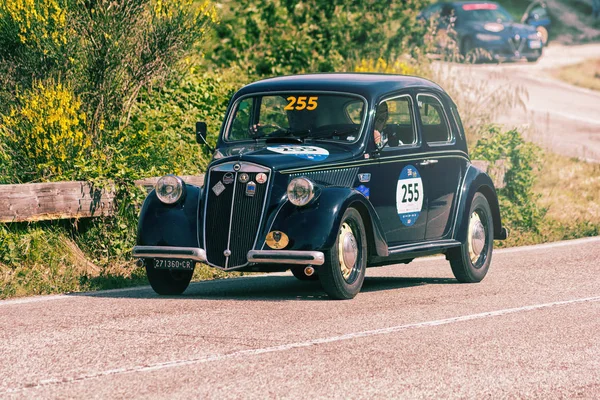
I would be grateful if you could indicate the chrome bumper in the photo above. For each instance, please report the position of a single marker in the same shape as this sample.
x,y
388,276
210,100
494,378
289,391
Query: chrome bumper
x,y
294,257
186,253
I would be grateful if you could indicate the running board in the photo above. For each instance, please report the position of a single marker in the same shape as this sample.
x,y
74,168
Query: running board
x,y
435,245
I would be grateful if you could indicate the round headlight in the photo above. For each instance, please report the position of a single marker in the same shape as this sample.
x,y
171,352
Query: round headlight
x,y
169,189
300,191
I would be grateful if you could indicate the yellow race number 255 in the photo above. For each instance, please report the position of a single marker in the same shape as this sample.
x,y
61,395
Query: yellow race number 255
x,y
301,103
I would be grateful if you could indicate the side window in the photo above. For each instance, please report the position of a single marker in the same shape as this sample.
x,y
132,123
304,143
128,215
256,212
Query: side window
x,y
539,13
433,120
456,116
272,112
399,128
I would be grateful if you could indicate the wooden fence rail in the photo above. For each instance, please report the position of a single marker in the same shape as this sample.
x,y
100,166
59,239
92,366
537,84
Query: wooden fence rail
x,y
65,200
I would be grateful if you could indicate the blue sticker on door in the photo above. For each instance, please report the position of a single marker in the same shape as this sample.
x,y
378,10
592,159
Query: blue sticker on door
x,y
409,195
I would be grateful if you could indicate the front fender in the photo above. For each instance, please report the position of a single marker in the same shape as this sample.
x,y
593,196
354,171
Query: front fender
x,y
315,227
477,181
170,225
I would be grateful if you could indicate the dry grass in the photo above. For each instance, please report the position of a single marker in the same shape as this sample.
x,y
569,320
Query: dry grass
x,y
585,74
570,189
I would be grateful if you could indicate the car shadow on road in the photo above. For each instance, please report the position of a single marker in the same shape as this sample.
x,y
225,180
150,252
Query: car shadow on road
x,y
265,288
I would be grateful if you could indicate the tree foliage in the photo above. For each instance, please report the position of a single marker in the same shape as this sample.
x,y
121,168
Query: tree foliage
x,y
103,52
273,37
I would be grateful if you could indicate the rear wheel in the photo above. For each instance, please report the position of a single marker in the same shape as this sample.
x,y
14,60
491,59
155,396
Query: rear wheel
x,y
543,34
298,272
167,282
470,262
343,273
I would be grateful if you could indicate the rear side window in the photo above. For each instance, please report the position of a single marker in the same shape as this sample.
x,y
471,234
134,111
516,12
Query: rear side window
x,y
433,120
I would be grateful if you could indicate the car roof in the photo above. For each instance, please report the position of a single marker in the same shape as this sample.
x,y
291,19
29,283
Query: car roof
x,y
370,86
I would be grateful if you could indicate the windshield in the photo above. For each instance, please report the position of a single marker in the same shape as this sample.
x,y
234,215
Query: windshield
x,y
485,12
297,116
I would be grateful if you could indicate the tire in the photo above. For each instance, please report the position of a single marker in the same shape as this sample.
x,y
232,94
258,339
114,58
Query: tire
x,y
532,59
470,262
544,34
167,282
298,272
343,273
468,51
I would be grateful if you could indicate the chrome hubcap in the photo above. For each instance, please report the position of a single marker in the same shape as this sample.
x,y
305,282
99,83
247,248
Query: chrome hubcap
x,y
347,251
476,237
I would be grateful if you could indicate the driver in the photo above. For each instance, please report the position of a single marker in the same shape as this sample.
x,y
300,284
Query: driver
x,y
381,117
382,133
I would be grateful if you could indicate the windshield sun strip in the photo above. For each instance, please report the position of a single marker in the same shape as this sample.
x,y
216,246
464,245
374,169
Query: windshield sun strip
x,y
234,109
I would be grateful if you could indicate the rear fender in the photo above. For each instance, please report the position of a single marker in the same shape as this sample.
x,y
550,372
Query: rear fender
x,y
477,181
315,227
170,225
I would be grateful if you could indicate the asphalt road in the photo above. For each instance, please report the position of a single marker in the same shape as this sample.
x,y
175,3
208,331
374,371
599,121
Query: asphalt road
x,y
558,116
531,329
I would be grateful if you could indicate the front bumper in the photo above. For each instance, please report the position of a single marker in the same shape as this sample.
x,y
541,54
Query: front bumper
x,y
507,50
294,257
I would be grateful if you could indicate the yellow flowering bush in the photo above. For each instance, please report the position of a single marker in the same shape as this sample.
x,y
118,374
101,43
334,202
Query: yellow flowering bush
x,y
202,11
46,131
37,21
382,66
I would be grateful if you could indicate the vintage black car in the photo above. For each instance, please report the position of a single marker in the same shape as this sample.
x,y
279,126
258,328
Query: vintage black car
x,y
326,175
484,30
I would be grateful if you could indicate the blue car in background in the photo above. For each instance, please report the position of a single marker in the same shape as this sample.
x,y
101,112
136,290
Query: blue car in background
x,y
537,16
484,30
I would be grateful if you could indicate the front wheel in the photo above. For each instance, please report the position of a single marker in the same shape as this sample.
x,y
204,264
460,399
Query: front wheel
x,y
470,262
167,282
343,273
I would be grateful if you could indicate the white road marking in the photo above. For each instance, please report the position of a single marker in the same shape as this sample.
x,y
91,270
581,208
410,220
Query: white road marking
x,y
572,117
38,299
290,346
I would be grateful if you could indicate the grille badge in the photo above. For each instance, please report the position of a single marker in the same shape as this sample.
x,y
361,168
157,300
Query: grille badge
x,y
228,178
250,189
218,188
227,253
261,178
236,167
243,177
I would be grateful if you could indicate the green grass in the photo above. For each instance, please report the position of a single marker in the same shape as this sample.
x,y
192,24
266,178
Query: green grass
x,y
585,74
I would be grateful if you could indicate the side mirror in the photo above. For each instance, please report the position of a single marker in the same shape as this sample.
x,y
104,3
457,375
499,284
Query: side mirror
x,y
201,133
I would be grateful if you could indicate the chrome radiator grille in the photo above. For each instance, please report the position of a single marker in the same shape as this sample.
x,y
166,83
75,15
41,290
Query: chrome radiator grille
x,y
233,212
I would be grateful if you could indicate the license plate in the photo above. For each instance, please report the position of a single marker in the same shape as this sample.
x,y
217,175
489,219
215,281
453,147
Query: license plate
x,y
535,44
173,263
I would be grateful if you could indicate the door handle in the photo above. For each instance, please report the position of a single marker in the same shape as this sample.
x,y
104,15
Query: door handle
x,y
428,162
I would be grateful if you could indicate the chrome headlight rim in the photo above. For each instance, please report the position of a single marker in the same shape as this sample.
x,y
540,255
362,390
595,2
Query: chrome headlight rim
x,y
312,190
177,192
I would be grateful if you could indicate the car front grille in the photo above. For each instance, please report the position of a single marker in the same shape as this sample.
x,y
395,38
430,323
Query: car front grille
x,y
232,217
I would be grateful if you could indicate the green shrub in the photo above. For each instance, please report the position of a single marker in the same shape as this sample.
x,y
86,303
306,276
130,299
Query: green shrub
x,y
162,124
518,202
275,37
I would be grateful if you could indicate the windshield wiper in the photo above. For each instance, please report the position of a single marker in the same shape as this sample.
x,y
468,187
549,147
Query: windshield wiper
x,y
284,135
